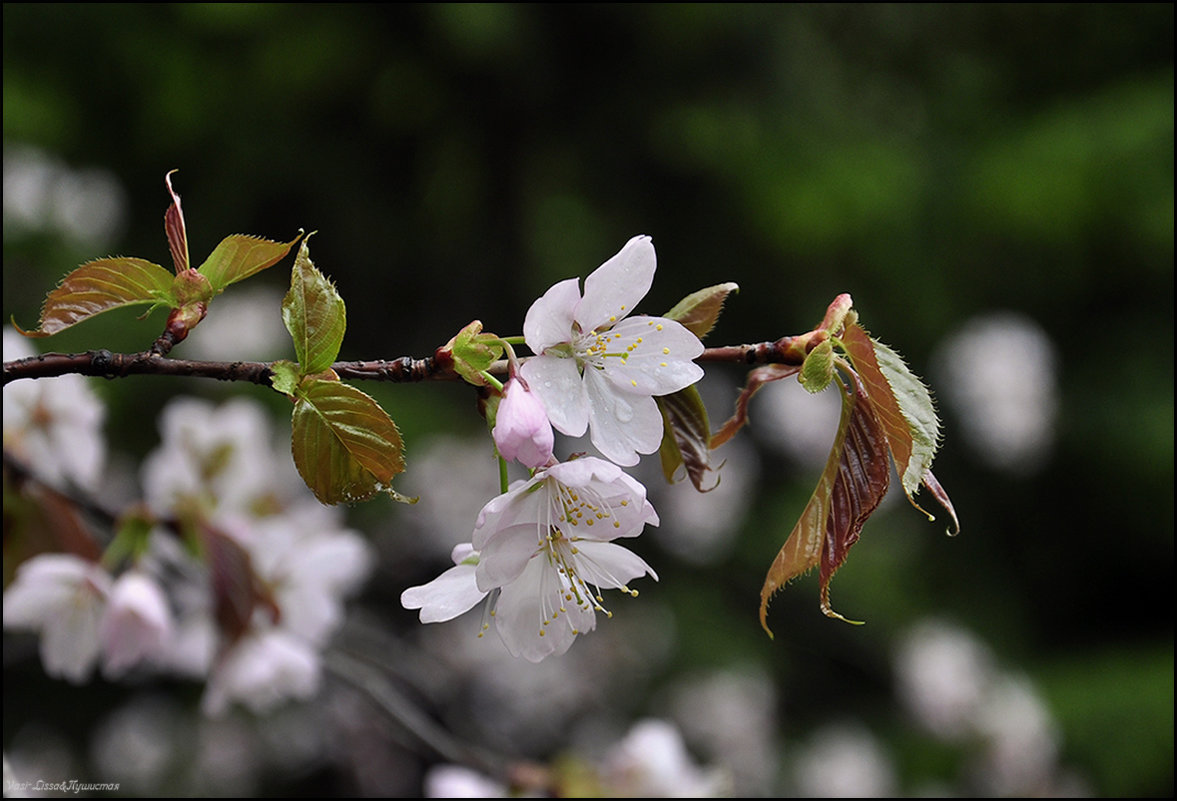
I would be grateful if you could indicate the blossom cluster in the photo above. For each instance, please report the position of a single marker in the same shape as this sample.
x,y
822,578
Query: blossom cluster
x,y
216,471
542,552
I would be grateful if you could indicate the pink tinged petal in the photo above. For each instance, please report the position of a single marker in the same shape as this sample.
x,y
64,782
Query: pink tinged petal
x,y
659,356
557,383
452,593
137,623
506,553
622,425
618,285
549,320
522,432
524,606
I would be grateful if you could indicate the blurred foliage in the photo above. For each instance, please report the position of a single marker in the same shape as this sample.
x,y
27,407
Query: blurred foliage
x,y
935,161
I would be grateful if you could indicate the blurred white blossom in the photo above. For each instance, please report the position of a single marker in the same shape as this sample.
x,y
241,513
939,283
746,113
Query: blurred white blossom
x,y
652,761
843,760
456,781
999,374
62,597
221,463
137,623
42,193
53,424
942,672
261,670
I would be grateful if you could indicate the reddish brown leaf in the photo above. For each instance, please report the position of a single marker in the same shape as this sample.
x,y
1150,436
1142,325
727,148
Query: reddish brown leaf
x,y
864,473
236,589
173,226
686,438
854,481
756,379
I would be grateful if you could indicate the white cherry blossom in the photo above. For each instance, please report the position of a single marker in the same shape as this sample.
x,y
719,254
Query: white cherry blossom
x,y
54,424
62,597
598,368
543,552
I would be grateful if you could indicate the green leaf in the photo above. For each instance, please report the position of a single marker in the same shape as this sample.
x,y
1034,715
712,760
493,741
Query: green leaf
x,y
699,311
239,256
284,377
102,285
472,352
314,315
345,446
818,369
905,410
854,481
686,436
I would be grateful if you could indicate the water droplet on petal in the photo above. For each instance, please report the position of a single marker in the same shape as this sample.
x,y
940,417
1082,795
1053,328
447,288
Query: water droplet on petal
x,y
623,411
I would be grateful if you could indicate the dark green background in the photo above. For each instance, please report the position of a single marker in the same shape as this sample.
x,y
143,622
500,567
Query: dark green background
x,y
936,162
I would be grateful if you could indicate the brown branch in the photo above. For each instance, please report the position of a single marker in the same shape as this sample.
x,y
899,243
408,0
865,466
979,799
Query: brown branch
x,y
104,364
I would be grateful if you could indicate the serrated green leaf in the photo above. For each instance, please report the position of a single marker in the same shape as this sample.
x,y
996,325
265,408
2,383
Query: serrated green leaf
x,y
345,446
699,311
314,314
686,436
239,256
284,377
818,369
99,286
904,405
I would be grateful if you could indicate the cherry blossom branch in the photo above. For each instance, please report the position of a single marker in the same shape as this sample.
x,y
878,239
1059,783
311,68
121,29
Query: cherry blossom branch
x,y
105,364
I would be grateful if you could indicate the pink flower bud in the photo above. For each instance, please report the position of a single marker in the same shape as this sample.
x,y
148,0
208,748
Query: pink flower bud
x,y
522,432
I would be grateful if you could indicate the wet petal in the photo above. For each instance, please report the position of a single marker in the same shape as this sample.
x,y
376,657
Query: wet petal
x,y
623,425
549,320
557,383
616,287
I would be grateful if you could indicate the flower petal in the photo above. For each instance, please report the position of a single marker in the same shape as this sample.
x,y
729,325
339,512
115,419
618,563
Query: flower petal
x,y
618,285
557,383
610,566
524,606
623,425
452,593
660,356
549,320
505,554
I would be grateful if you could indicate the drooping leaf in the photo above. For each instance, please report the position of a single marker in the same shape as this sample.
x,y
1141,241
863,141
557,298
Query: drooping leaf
x,y
699,311
345,446
686,437
854,481
905,410
756,379
239,256
314,314
236,589
102,285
